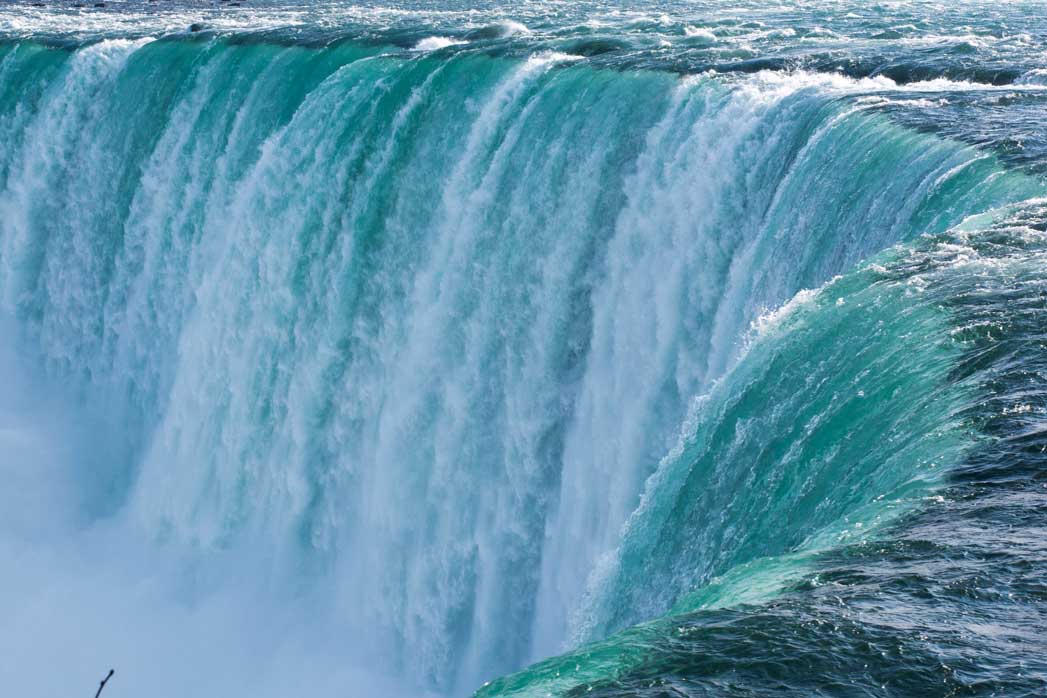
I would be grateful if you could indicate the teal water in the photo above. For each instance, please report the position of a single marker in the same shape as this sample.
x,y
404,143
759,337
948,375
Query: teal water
x,y
669,350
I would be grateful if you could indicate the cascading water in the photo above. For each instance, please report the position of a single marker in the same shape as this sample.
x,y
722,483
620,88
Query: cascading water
x,y
877,387
367,365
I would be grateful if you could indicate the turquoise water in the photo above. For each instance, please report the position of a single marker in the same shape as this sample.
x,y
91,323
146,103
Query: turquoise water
x,y
555,350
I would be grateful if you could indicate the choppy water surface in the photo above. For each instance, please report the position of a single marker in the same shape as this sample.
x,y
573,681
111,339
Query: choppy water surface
x,y
540,349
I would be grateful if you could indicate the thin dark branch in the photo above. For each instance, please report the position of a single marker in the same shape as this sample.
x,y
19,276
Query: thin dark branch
x,y
102,685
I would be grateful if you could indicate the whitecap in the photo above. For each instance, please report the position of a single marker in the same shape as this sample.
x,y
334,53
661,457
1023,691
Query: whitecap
x,y
699,33
435,43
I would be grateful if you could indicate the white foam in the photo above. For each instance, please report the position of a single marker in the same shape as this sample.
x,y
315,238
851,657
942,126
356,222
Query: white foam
x,y
1037,76
435,43
699,33
514,28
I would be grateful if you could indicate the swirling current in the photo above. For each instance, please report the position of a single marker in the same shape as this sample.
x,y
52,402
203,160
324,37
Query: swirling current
x,y
549,349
